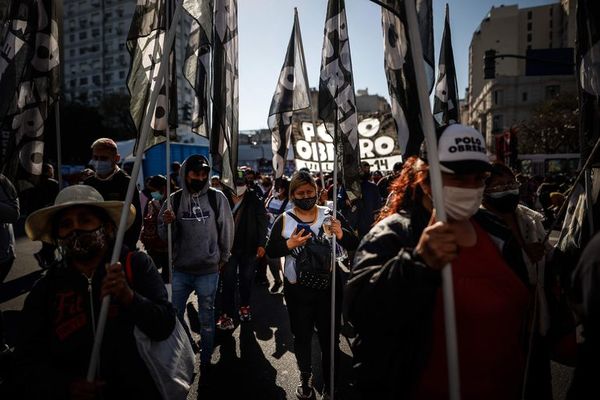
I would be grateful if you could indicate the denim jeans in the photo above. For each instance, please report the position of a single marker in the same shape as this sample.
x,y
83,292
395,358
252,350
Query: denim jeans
x,y
206,289
238,269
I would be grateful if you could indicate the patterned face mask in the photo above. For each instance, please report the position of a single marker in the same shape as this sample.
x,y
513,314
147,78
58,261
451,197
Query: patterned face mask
x,y
84,245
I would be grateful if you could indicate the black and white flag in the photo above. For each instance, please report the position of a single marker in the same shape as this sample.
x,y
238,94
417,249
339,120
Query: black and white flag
x,y
291,94
225,95
402,82
145,42
588,68
337,102
445,103
29,83
196,68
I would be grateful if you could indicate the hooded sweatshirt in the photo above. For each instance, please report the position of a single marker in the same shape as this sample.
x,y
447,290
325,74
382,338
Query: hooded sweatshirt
x,y
201,240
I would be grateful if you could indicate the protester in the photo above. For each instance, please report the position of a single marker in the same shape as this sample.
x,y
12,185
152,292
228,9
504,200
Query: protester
x,y
112,183
215,182
370,201
309,307
501,198
276,205
396,278
175,176
250,220
60,313
155,246
585,295
9,214
202,241
384,183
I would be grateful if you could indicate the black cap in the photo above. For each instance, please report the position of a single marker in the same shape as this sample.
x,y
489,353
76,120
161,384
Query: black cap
x,y
196,163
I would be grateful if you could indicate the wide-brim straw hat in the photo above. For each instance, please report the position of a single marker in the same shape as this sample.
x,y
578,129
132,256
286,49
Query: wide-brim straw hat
x,y
38,225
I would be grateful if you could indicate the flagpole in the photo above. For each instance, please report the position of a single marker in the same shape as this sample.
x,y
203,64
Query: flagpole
x,y
145,131
59,8
333,263
169,285
437,192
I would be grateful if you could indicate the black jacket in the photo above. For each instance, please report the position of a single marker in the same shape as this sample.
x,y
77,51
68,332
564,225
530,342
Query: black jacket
x,y
115,188
56,334
388,283
250,226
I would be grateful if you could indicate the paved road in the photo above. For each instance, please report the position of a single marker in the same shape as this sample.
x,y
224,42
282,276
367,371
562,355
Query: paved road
x,y
256,361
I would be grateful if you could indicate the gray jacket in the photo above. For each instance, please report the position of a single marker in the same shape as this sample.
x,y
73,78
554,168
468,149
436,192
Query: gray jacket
x,y
201,240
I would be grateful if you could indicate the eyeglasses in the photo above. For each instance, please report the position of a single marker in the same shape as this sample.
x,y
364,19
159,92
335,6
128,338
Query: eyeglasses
x,y
504,188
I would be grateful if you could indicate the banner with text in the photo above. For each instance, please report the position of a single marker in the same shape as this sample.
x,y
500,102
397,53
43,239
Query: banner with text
x,y
378,142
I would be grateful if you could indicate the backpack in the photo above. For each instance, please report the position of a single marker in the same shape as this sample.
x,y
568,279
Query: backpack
x,y
149,235
313,261
212,200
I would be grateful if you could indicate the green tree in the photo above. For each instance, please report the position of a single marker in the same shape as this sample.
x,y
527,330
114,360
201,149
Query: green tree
x,y
553,127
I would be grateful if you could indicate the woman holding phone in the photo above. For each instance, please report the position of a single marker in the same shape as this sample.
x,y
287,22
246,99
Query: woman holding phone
x,y
308,307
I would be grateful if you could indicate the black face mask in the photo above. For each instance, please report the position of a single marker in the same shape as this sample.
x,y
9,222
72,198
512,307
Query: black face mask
x,y
306,204
84,245
505,203
197,185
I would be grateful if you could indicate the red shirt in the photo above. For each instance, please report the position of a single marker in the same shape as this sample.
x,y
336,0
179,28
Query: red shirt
x,y
491,307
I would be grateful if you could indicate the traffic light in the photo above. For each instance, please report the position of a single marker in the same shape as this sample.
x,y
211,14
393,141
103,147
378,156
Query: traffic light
x,y
489,64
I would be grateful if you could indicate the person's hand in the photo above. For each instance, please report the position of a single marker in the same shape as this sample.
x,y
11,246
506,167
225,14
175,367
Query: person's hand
x,y
297,240
336,228
115,285
260,252
83,390
437,245
168,216
535,251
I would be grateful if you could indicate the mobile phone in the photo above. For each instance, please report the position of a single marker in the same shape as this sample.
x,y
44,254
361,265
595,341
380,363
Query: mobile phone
x,y
306,228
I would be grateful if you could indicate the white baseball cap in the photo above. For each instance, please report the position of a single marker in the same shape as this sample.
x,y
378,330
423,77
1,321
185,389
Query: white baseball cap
x,y
461,150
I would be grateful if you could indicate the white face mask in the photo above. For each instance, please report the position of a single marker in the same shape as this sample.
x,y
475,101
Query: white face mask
x,y
462,203
240,190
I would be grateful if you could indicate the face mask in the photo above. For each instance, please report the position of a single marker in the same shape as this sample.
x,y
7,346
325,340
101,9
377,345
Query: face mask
x,y
102,167
504,202
462,203
84,245
240,190
197,185
306,204
156,196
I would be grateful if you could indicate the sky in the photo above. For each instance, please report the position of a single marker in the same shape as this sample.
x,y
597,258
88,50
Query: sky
x,y
265,27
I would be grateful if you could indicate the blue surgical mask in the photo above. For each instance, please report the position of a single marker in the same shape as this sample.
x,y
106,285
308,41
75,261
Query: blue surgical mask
x,y
156,196
102,167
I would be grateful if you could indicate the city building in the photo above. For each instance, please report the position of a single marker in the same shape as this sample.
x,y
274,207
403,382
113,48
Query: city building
x,y
535,34
95,57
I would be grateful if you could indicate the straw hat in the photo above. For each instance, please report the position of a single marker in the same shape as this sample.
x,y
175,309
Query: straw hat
x,y
38,225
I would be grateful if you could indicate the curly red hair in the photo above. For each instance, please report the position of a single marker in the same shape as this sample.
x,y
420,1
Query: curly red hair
x,y
405,190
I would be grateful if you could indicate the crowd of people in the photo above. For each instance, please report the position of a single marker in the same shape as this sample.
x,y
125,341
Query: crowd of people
x,y
225,239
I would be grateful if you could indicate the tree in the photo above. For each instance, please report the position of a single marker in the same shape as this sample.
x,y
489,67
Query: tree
x,y
116,119
553,127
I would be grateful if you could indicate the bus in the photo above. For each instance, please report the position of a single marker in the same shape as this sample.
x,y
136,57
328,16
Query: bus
x,y
549,164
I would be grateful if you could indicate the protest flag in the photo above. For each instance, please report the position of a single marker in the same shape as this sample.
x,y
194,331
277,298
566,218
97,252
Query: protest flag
x,y
445,103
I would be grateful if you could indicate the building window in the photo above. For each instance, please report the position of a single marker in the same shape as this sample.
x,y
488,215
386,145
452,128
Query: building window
x,y
95,32
108,77
528,47
96,80
73,82
72,52
529,37
524,96
551,10
529,14
83,81
497,123
121,74
72,38
82,50
550,35
498,97
529,25
552,91
550,24
82,35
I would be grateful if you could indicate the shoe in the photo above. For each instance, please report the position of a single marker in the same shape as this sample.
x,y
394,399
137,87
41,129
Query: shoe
x,y
245,314
276,288
225,323
305,390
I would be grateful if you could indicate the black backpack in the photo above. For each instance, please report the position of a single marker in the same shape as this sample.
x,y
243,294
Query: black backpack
x,y
212,200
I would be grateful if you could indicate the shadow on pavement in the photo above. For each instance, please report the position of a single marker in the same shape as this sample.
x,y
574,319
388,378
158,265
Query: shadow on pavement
x,y
16,287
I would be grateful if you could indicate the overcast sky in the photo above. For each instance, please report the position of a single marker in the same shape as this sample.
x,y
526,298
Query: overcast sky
x,y
265,27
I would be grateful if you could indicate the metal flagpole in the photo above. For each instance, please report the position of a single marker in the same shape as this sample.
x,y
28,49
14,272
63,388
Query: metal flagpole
x,y
436,188
58,142
129,197
169,285
333,264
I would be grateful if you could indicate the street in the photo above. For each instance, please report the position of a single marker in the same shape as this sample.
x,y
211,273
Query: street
x,y
255,362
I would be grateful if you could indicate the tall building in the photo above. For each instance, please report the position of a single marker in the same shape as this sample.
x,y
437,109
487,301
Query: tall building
x,y
96,60
540,33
